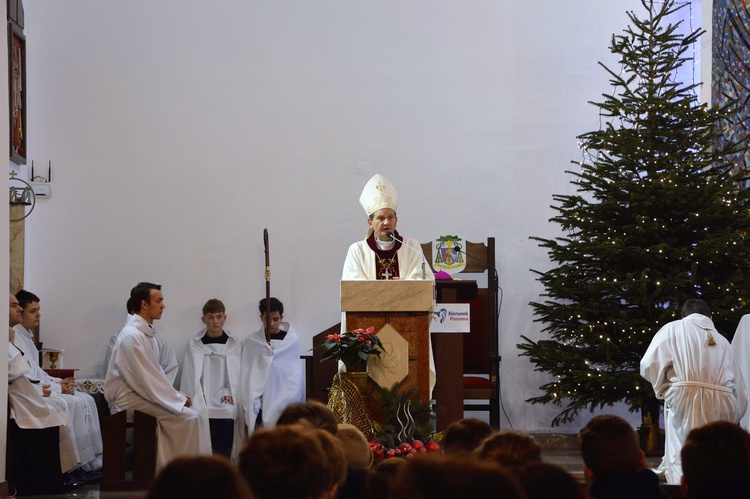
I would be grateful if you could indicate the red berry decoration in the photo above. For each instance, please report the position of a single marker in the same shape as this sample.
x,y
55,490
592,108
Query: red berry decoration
x,y
433,446
417,444
404,447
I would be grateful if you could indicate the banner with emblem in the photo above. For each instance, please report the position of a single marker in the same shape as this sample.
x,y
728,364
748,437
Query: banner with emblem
x,y
448,254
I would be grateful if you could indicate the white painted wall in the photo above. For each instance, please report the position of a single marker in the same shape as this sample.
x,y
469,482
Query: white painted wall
x,y
179,130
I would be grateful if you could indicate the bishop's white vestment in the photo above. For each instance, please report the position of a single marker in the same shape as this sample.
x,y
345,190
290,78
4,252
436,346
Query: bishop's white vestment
x,y
211,371
361,264
136,381
81,408
697,381
272,376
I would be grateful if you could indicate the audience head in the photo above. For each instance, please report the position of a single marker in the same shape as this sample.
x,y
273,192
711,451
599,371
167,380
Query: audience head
x,y
695,306
547,481
716,462
286,462
465,435
509,448
199,477
15,312
148,301
312,413
358,454
430,476
610,445
334,451
378,483
29,302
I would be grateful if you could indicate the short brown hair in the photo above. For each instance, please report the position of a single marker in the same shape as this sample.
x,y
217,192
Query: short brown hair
x,y
285,462
509,448
431,476
610,445
716,461
313,413
213,306
199,477
465,435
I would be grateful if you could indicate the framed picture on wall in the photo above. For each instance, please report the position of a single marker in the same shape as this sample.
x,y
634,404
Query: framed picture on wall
x,y
17,90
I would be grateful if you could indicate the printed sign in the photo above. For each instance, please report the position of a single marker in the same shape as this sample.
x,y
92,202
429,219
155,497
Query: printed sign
x,y
450,318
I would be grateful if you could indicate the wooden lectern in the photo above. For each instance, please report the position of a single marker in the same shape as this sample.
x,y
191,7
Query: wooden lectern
x,y
407,307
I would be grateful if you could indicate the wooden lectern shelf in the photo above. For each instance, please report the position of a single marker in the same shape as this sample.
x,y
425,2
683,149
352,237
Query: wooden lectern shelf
x,y
387,296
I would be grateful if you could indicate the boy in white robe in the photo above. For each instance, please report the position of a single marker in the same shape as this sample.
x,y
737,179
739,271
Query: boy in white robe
x,y
167,357
741,350
691,367
34,427
136,381
271,373
84,430
211,375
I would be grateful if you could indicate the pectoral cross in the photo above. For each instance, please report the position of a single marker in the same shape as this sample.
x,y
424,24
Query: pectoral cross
x,y
387,274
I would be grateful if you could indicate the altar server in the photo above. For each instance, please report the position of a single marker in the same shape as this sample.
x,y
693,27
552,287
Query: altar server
x,y
211,375
271,372
691,367
38,450
135,380
167,357
741,350
80,407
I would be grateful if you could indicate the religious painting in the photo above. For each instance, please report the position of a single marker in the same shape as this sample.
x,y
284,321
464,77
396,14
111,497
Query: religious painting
x,y
731,68
17,91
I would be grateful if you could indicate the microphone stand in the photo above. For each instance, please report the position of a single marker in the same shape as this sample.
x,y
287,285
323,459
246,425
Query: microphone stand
x,y
394,238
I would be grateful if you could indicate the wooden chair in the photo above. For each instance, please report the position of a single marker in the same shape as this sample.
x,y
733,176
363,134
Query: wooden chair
x,y
481,359
320,374
114,429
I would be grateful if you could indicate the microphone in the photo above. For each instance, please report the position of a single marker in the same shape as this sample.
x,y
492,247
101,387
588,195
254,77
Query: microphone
x,y
498,289
393,237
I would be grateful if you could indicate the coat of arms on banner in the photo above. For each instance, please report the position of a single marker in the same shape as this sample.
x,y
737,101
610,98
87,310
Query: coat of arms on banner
x,y
449,254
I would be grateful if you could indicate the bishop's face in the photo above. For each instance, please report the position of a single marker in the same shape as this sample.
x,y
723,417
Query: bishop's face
x,y
382,222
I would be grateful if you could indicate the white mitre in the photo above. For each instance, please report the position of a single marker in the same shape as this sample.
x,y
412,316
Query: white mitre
x,y
378,193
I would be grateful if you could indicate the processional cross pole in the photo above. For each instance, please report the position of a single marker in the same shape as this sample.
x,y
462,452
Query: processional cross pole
x,y
268,289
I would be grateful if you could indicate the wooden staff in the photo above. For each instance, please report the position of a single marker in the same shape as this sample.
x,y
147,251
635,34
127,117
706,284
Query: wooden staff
x,y
268,289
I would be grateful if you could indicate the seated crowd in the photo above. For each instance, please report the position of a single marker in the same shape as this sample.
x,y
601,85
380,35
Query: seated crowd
x,y
309,455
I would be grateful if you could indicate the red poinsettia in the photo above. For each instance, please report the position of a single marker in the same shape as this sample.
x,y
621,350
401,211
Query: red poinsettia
x,y
351,347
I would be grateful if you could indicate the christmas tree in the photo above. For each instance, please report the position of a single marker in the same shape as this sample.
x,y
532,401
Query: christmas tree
x,y
658,217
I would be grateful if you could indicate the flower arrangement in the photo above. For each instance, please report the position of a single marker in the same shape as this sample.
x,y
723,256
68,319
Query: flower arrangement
x,y
352,347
